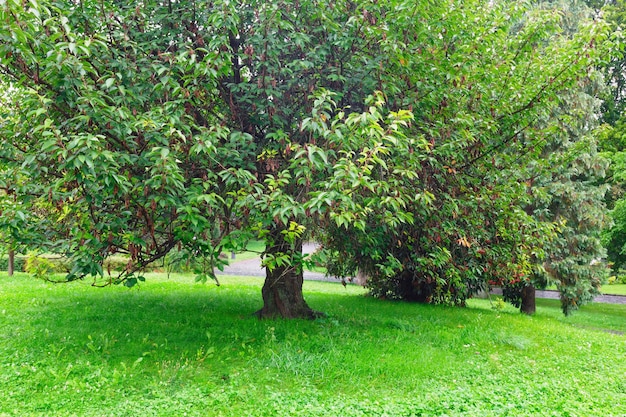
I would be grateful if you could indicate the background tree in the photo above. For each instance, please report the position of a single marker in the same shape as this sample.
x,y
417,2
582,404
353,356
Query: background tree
x,y
488,102
615,100
570,195
568,190
611,137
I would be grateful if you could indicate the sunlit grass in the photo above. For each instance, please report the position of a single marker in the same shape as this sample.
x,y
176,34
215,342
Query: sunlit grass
x,y
617,289
253,250
171,346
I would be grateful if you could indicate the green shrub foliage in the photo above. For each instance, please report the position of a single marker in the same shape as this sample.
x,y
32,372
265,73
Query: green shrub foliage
x,y
506,192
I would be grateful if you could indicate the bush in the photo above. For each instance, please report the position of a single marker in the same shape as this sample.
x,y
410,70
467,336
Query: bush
x,y
620,278
119,262
42,265
18,265
37,264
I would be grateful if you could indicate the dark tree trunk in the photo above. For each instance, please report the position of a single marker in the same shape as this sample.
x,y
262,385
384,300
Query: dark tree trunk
x,y
529,306
282,290
11,266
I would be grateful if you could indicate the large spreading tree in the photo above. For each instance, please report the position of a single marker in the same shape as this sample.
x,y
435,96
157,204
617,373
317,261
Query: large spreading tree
x,y
149,127
194,126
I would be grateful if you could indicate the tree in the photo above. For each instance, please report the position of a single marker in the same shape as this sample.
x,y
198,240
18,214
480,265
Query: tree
x,y
197,125
191,125
570,195
568,189
611,136
491,105
612,143
615,99
15,231
614,237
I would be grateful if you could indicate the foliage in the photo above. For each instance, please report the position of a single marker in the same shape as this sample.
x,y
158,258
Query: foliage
x,y
497,90
613,145
614,238
614,103
15,217
114,131
617,280
61,345
19,262
39,266
569,190
199,125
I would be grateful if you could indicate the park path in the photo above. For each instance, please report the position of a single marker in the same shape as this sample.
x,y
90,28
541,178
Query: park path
x,y
552,294
252,267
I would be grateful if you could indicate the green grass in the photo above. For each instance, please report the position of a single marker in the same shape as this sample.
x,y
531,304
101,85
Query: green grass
x,y
613,289
253,250
172,347
617,289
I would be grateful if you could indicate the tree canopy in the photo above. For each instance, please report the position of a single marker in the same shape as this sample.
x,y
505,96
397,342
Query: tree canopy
x,y
510,182
407,133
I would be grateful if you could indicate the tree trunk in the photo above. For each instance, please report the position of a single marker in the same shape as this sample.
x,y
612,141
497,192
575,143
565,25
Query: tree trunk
x,y
282,290
11,266
529,306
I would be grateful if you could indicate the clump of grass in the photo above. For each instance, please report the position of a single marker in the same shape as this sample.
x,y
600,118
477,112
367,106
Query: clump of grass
x,y
173,347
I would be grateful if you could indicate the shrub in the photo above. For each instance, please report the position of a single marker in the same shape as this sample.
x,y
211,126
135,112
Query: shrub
x,y
18,265
40,266
618,278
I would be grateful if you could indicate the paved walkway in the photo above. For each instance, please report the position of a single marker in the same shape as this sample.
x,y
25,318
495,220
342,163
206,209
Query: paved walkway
x,y
602,298
252,267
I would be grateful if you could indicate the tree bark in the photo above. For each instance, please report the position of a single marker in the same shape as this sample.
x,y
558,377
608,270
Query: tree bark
x,y
11,266
282,290
529,305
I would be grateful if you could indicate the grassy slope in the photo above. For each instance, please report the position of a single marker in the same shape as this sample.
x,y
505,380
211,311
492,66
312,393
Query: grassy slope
x,y
172,347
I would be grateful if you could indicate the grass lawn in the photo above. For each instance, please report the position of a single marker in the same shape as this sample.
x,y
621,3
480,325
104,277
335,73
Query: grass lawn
x,y
618,289
171,347
253,250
